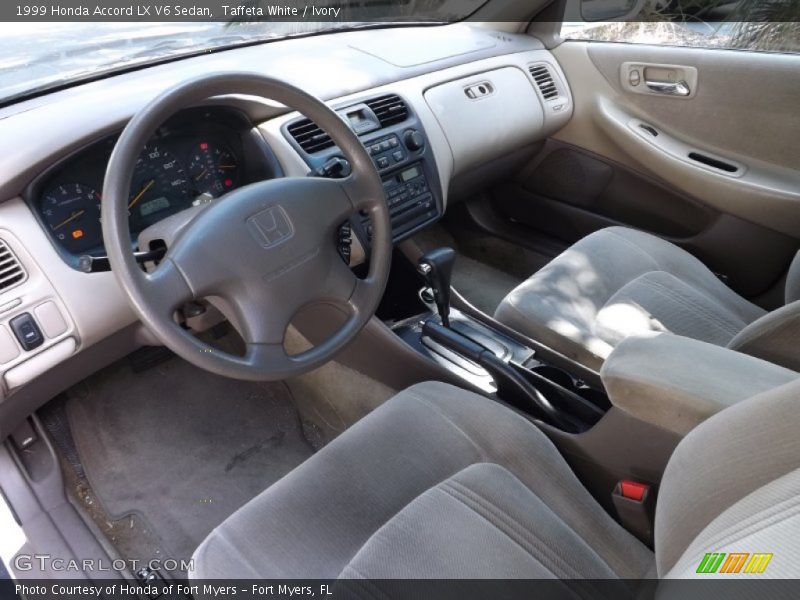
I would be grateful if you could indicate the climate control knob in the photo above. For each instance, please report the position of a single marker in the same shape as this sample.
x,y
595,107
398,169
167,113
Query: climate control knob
x,y
413,139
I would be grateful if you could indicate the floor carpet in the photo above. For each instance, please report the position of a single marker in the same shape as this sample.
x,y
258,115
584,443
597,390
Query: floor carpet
x,y
179,448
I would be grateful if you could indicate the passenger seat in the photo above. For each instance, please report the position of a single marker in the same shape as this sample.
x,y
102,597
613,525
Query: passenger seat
x,y
619,282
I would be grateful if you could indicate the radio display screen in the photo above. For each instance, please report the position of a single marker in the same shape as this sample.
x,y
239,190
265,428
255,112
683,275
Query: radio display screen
x,y
355,118
409,174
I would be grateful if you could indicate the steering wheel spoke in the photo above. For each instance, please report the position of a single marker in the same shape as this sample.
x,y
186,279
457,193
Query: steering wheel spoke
x,y
260,316
359,295
264,308
339,282
268,357
167,288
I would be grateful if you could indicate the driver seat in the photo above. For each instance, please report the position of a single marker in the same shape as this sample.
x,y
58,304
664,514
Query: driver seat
x,y
442,483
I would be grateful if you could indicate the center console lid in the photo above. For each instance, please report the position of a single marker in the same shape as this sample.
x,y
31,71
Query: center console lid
x,y
676,382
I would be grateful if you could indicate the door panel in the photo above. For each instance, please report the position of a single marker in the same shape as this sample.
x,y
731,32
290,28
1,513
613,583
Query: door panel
x,y
577,177
715,169
749,258
745,102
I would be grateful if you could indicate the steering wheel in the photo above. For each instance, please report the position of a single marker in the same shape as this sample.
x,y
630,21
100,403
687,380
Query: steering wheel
x,y
265,250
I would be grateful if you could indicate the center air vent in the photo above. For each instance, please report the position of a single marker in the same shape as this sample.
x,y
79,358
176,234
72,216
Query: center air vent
x,y
310,137
390,109
544,80
11,271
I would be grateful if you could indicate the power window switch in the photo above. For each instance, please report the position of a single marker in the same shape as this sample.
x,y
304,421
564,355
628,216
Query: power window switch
x,y
27,331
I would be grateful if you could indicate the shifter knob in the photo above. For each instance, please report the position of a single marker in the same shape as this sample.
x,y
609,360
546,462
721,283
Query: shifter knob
x,y
437,268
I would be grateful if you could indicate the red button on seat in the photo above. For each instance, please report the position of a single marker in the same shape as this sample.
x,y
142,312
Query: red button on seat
x,y
633,490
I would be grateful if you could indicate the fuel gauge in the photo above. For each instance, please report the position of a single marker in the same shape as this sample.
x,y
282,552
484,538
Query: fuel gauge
x,y
213,169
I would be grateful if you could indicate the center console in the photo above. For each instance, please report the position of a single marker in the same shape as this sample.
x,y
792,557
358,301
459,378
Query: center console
x,y
602,444
411,203
486,359
395,139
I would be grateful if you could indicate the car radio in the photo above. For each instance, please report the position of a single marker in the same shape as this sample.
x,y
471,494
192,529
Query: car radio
x,y
395,140
410,200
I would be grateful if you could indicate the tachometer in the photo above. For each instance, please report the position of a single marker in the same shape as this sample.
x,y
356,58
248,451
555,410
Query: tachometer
x,y
159,188
213,169
72,211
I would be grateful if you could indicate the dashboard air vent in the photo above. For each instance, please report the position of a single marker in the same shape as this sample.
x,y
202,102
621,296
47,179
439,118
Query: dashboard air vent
x,y
11,271
310,137
544,79
390,109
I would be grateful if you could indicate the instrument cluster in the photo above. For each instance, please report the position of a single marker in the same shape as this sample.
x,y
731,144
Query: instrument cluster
x,y
189,161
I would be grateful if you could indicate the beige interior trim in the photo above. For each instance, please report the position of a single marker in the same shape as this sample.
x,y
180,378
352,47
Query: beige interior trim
x,y
40,363
414,90
743,103
479,129
92,305
761,192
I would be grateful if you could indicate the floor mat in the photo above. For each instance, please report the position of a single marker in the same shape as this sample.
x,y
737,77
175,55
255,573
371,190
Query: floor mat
x,y
181,448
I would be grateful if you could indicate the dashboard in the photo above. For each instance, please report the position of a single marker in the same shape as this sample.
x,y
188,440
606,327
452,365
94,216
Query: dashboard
x,y
56,148
196,156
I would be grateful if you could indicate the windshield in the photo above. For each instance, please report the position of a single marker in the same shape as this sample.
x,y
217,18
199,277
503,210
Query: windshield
x,y
38,56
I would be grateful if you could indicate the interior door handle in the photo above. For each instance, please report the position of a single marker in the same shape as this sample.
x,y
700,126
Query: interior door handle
x,y
670,88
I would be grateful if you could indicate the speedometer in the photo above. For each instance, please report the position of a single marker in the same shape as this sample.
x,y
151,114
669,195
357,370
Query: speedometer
x,y
159,187
72,212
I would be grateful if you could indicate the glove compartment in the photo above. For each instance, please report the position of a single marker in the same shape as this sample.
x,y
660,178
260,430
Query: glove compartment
x,y
487,115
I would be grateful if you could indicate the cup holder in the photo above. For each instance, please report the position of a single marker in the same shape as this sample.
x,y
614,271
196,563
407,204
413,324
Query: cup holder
x,y
567,381
597,398
555,375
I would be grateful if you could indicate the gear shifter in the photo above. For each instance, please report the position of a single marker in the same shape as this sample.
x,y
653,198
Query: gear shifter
x,y
436,267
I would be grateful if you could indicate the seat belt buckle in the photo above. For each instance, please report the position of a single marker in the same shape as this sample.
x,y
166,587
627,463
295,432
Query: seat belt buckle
x,y
634,503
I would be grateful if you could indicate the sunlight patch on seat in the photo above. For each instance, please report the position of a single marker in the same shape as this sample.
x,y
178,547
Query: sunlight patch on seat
x,y
615,322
